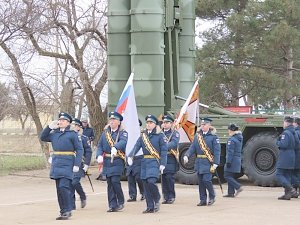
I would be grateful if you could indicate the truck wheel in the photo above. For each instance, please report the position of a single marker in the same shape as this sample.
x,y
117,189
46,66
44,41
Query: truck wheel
x,y
259,158
186,173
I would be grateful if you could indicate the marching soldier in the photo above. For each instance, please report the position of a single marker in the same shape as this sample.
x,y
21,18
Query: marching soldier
x,y
65,160
113,144
87,155
286,158
296,171
154,148
133,174
168,177
233,160
206,146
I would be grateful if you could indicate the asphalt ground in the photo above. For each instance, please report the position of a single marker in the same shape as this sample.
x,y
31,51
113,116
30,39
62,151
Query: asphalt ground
x,y
30,198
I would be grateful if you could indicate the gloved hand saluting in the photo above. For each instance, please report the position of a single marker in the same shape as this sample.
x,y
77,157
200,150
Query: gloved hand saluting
x,y
161,168
53,124
75,169
129,161
113,151
100,159
185,159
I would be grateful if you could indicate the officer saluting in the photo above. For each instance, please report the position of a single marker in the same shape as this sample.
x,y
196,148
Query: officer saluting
x,y
207,148
168,177
87,155
286,158
113,143
154,148
66,159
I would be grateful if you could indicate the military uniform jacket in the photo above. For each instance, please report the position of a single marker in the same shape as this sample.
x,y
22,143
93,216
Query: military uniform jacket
x,y
297,148
150,166
234,152
115,168
286,144
202,165
89,132
135,168
66,141
87,155
172,164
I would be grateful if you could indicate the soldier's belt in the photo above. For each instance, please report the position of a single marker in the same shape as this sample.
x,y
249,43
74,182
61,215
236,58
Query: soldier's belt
x,y
109,155
149,157
202,156
63,153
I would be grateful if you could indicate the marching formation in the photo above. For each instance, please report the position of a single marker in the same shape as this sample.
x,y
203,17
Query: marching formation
x,y
155,156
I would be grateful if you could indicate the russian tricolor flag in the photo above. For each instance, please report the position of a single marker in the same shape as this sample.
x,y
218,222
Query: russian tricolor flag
x,y
127,108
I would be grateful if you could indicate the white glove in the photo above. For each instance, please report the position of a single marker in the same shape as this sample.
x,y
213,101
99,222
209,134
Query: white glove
x,y
100,159
113,151
53,124
85,167
129,161
185,159
50,160
215,166
75,169
161,168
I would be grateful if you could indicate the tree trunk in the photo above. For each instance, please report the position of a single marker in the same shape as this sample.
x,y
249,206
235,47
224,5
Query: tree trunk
x,y
288,103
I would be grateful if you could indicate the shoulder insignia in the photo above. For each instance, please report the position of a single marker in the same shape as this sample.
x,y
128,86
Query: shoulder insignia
x,y
79,138
218,141
125,134
282,137
177,134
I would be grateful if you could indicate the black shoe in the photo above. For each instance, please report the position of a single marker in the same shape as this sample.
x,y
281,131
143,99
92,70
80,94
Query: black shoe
x,y
202,204
143,197
112,210
156,207
284,197
120,207
165,202
228,196
171,201
131,200
83,203
211,202
148,211
238,191
64,216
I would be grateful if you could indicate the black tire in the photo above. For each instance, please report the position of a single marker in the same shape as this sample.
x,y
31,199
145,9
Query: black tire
x,y
186,173
259,159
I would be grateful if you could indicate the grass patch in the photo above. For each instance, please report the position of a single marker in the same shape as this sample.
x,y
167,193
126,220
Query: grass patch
x,y
9,163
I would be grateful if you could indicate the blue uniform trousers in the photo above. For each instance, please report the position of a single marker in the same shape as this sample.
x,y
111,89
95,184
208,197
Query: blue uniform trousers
x,y
168,186
63,190
205,183
132,181
76,185
284,177
151,192
232,182
296,178
114,192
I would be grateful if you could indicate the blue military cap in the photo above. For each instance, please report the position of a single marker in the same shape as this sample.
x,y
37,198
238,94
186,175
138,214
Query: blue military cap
x,y
168,118
206,120
288,119
77,122
115,115
151,118
65,116
233,127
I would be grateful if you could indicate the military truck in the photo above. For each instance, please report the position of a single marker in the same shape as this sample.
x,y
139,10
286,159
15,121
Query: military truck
x,y
156,40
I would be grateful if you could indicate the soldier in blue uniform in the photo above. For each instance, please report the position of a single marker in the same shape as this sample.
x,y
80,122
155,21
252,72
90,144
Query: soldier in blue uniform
x,y
87,130
113,143
233,160
155,149
87,155
133,174
296,171
168,177
206,146
286,158
66,159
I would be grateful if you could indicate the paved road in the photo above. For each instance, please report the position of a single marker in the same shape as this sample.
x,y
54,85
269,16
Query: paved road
x,y
30,198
